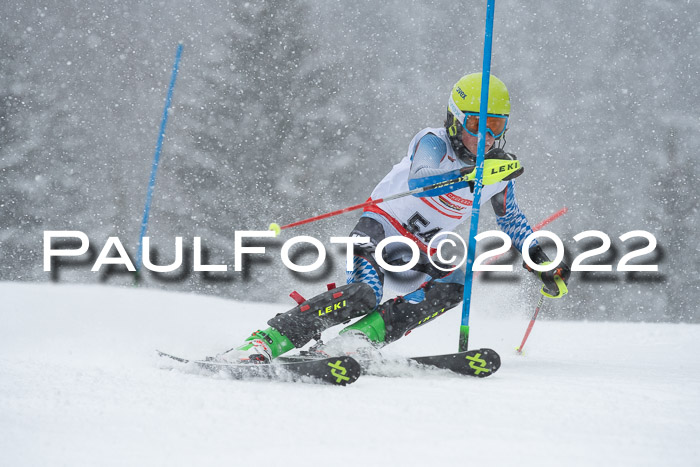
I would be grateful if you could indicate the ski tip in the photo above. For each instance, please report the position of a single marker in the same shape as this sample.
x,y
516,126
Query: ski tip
x,y
343,370
482,362
493,359
170,356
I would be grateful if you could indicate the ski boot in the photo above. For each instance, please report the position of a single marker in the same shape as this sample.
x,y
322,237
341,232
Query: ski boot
x,y
361,339
260,347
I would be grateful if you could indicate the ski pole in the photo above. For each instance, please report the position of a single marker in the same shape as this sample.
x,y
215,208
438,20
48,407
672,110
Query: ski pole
x,y
501,167
545,293
465,177
532,323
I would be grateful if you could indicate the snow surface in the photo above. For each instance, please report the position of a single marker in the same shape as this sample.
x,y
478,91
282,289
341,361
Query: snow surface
x,y
80,385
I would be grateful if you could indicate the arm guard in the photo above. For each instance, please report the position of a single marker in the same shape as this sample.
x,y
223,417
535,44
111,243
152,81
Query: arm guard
x,y
425,164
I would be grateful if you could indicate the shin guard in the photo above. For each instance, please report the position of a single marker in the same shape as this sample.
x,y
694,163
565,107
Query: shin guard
x,y
311,317
401,315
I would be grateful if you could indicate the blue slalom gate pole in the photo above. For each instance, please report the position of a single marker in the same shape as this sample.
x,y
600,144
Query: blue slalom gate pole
x,y
156,158
481,149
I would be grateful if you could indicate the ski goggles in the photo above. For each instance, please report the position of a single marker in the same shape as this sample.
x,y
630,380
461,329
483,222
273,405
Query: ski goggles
x,y
496,124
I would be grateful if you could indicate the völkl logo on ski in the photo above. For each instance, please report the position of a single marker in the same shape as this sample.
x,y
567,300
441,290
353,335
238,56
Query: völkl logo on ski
x,y
476,359
339,377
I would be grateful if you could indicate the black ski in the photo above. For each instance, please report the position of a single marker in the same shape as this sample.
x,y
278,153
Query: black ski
x,y
480,363
339,371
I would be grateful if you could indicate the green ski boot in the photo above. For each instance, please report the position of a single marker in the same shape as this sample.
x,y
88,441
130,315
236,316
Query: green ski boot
x,y
362,338
372,326
260,347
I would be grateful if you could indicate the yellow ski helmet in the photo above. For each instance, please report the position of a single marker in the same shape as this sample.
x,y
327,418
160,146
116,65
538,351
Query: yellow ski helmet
x,y
466,97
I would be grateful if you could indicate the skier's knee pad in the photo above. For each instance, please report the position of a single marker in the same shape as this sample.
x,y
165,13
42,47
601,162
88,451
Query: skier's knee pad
x,y
404,314
308,319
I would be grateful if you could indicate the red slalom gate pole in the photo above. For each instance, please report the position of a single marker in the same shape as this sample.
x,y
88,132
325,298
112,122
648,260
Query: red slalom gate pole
x,y
532,323
554,216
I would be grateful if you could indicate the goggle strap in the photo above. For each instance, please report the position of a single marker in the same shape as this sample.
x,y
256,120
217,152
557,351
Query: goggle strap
x,y
457,112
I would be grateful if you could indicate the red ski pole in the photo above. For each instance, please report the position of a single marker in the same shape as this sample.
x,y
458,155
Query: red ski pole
x,y
371,202
502,168
532,323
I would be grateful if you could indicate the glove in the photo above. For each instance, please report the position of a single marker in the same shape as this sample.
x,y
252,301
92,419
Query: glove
x,y
555,280
500,166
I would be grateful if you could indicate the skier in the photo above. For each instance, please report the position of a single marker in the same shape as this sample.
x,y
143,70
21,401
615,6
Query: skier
x,y
434,154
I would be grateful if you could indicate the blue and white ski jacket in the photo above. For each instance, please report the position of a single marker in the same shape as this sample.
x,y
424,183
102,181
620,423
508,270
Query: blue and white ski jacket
x,y
421,218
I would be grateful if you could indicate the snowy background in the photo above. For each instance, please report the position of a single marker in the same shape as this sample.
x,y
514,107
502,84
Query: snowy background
x,y
283,110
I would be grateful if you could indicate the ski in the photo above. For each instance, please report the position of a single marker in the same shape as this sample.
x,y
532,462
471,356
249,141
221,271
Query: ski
x,y
479,363
338,371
